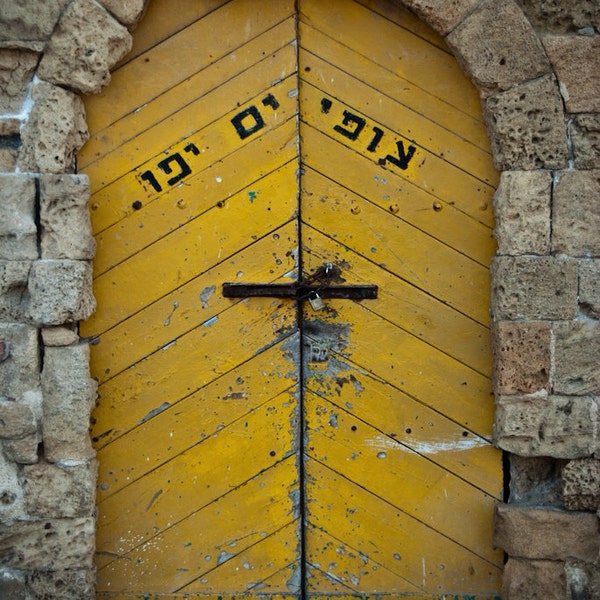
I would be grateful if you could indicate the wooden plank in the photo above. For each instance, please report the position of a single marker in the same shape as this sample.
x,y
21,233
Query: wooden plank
x,y
180,57
206,544
429,560
398,247
395,194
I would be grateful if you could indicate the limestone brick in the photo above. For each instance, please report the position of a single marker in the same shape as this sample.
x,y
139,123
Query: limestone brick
x,y
546,534
56,491
16,419
75,584
59,336
575,365
23,451
535,480
494,60
527,126
8,159
576,61
589,287
11,492
48,545
68,396
442,15
55,131
521,357
581,484
64,217
522,210
19,368
534,287
562,16
14,275
18,231
16,71
29,21
533,580
128,13
85,45
585,139
537,425
60,291
576,213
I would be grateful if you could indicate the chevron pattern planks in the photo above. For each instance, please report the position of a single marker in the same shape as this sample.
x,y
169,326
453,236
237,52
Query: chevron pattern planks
x,y
258,447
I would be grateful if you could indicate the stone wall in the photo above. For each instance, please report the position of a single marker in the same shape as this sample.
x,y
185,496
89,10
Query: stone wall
x,y
536,64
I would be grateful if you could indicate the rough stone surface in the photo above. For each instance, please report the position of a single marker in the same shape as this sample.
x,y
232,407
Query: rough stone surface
x,y
576,61
534,287
527,126
57,491
535,481
575,366
62,585
85,45
55,131
29,21
23,451
19,369
68,394
14,275
589,288
494,60
533,580
16,71
8,159
585,139
442,15
581,484
59,336
521,357
562,16
60,291
11,492
543,534
64,216
48,545
18,232
537,425
576,213
582,580
12,585
128,13
522,210
16,419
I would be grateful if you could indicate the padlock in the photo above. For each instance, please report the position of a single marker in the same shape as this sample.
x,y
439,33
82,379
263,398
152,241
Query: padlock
x,y
316,301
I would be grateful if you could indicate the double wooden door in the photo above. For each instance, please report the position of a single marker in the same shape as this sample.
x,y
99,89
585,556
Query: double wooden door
x,y
266,447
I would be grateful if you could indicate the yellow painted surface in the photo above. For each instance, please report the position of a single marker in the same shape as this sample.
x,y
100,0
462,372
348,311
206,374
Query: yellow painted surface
x,y
258,448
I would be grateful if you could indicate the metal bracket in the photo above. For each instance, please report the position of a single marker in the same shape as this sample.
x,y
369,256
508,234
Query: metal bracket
x,y
299,291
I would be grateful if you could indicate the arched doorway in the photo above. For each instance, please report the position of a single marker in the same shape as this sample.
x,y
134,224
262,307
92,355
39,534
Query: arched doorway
x,y
267,445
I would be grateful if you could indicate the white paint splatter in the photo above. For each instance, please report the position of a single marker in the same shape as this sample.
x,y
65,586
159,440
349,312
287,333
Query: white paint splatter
x,y
382,442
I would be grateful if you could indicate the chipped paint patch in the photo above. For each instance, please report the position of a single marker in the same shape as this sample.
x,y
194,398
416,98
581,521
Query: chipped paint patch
x,y
382,442
205,295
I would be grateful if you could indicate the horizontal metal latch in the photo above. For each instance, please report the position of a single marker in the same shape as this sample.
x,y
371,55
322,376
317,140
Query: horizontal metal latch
x,y
299,291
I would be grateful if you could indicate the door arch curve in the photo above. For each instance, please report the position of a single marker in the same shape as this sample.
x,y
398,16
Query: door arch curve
x,y
332,118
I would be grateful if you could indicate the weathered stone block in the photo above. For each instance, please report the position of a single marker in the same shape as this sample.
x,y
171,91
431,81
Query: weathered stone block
x,y
48,545
442,15
535,481
19,369
576,62
16,71
543,534
11,492
16,420
14,275
128,13
64,216
30,20
8,159
12,585
84,46
55,131
23,451
533,580
581,484
558,426
562,16
60,291
18,232
62,585
522,210
527,126
57,491
589,287
576,213
68,395
577,348
493,59
585,138
521,357
59,336
534,287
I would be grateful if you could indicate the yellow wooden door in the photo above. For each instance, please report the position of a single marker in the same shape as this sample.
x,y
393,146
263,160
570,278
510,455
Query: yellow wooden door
x,y
258,446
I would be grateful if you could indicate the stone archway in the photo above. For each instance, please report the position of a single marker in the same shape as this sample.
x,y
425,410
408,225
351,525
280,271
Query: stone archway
x,y
539,88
